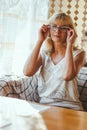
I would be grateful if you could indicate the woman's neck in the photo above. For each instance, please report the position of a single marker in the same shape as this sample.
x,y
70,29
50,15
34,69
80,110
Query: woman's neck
x,y
59,47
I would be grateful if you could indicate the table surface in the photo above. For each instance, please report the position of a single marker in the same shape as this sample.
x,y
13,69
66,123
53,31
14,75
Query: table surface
x,y
57,118
49,118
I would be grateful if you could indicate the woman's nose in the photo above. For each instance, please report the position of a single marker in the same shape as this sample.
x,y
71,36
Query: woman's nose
x,y
57,30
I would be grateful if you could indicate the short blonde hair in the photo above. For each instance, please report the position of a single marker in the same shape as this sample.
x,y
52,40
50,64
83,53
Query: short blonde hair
x,y
64,19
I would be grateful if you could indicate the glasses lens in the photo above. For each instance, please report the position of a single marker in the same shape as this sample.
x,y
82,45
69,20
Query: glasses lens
x,y
64,28
61,28
54,27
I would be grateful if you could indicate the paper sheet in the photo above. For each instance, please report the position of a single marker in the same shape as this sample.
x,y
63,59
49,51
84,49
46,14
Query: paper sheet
x,y
15,106
11,108
39,107
20,114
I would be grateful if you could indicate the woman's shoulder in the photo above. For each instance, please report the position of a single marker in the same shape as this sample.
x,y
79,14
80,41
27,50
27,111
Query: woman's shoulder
x,y
44,53
77,51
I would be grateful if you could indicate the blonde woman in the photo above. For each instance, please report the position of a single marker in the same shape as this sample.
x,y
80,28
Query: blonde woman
x,y
59,64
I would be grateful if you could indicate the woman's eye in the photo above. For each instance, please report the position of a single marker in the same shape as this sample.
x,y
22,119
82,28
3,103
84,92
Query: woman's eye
x,y
61,28
54,26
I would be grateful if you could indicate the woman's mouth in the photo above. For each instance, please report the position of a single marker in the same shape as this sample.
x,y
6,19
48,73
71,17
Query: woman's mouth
x,y
56,36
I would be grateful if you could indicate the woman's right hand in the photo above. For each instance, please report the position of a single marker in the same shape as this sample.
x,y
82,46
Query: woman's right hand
x,y
43,32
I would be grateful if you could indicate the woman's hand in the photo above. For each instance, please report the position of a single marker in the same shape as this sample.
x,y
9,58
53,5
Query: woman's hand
x,y
43,32
71,36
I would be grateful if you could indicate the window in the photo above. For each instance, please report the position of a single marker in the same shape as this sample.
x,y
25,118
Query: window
x,y
19,23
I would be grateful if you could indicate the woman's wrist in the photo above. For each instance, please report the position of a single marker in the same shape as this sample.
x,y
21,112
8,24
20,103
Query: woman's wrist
x,y
39,42
69,45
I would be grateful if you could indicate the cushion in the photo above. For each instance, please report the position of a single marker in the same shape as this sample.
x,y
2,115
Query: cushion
x,y
82,86
19,87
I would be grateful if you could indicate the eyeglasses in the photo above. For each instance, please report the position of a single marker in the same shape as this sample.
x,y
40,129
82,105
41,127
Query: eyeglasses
x,y
61,28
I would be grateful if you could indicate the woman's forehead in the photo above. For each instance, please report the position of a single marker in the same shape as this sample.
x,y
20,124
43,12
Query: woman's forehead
x,y
60,22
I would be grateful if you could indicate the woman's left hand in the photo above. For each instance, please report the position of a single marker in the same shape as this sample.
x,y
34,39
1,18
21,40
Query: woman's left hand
x,y
71,36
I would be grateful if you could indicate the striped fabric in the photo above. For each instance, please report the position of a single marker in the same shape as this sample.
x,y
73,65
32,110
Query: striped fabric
x,y
26,87
82,86
20,87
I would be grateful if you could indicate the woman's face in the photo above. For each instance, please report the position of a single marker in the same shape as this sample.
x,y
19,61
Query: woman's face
x,y
58,32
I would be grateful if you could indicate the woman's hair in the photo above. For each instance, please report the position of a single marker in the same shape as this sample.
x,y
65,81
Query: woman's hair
x,y
64,19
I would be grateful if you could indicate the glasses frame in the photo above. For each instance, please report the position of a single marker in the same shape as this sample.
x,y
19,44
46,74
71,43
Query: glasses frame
x,y
61,28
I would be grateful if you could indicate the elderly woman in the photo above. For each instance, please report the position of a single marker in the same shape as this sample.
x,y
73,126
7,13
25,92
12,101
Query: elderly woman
x,y
58,64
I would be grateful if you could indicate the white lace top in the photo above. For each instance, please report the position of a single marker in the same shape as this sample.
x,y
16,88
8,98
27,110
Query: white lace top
x,y
53,89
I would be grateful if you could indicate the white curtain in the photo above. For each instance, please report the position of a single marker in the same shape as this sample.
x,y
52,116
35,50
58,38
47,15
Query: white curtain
x,y
19,23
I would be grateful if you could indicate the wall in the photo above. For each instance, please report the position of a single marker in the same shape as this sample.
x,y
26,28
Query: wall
x,y
78,11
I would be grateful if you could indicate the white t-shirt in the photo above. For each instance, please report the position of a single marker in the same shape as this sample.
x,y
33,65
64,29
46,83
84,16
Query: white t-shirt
x,y
53,89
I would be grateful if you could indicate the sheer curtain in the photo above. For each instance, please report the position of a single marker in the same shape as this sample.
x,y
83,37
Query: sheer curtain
x,y
19,23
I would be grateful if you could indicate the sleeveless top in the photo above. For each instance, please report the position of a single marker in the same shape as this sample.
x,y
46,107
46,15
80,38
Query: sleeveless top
x,y
53,89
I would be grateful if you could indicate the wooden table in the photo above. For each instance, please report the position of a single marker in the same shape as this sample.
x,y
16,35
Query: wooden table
x,y
48,118
57,118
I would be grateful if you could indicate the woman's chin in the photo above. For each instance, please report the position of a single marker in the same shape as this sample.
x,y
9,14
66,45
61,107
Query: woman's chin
x,y
56,40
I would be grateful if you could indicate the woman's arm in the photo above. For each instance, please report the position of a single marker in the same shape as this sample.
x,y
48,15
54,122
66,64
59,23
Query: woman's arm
x,y
34,61
72,64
